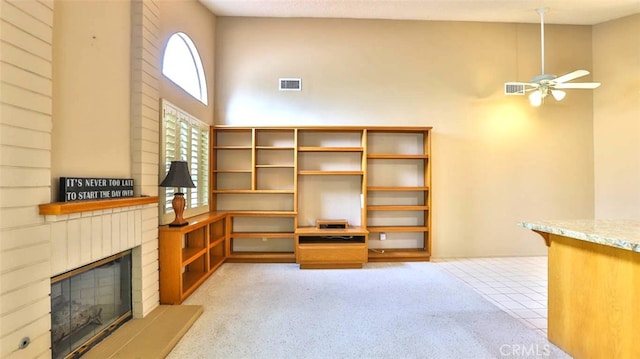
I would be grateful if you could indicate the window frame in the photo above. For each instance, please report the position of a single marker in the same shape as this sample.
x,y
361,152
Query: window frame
x,y
197,199
196,62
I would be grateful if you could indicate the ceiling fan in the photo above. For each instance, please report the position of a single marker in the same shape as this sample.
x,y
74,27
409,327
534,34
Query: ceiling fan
x,y
544,85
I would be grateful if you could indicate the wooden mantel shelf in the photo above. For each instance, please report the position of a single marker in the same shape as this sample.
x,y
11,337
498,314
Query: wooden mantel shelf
x,y
59,208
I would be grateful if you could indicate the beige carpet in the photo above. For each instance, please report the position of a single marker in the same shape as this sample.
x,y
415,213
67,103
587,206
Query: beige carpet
x,y
385,310
150,337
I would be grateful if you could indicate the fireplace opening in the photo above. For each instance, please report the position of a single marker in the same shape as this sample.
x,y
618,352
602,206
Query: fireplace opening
x,y
88,303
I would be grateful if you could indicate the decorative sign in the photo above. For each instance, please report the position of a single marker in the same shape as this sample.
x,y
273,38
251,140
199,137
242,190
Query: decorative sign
x,y
83,189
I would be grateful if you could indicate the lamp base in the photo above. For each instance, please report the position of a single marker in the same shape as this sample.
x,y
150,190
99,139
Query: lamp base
x,y
178,204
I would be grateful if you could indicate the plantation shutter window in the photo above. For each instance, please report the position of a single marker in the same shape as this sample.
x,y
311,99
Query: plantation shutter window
x,y
185,138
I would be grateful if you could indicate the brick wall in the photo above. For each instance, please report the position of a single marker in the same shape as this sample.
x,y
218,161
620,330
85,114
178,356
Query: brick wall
x,y
25,143
34,248
145,147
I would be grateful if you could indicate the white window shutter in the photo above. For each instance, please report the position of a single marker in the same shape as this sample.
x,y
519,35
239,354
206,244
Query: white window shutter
x,y
185,138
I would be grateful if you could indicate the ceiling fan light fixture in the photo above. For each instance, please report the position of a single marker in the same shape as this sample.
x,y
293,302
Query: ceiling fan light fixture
x,y
535,98
558,94
548,84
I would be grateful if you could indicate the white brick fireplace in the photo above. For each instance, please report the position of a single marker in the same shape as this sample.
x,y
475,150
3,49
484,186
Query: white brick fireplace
x,y
82,238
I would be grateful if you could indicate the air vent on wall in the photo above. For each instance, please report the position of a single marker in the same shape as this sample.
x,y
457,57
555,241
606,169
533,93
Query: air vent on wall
x,y
290,84
513,88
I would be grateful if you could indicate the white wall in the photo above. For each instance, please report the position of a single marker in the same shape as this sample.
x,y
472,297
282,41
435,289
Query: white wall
x,y
495,159
194,19
616,118
91,107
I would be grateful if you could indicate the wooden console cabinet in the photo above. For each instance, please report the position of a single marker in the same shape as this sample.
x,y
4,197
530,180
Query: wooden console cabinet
x,y
189,254
331,248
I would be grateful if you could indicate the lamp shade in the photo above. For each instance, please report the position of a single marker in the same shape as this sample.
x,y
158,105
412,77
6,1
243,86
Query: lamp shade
x,y
536,98
558,94
178,176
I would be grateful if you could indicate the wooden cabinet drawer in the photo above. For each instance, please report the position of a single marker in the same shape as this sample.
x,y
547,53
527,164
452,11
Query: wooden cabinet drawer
x,y
332,255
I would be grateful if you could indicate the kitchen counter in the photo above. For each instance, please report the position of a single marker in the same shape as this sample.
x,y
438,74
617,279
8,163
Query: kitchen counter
x,y
594,286
623,234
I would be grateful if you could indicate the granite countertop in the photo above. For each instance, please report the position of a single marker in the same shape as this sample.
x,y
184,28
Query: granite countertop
x,y
624,234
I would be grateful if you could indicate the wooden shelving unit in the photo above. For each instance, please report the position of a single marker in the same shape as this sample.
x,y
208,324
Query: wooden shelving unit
x,y
254,181
388,195
330,173
189,254
330,149
270,185
337,156
253,191
368,175
247,245
397,208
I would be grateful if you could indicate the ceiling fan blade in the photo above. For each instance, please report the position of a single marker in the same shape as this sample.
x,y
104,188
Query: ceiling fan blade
x,y
577,85
571,76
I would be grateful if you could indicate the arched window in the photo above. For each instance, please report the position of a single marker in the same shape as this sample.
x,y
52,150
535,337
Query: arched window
x,y
182,65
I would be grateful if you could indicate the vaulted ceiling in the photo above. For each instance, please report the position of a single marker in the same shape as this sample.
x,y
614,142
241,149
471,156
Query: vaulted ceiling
x,y
576,12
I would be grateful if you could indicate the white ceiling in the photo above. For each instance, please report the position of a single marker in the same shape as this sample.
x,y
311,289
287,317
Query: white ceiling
x,y
576,12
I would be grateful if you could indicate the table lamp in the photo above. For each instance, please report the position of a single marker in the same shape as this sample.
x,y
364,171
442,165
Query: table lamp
x,y
178,176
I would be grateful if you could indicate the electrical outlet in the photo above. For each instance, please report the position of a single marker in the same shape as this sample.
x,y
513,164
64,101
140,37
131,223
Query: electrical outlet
x,y
383,236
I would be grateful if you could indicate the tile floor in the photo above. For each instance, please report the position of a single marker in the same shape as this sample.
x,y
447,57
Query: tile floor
x,y
517,285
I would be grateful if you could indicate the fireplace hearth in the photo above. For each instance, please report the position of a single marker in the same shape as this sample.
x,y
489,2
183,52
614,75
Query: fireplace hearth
x,y
89,303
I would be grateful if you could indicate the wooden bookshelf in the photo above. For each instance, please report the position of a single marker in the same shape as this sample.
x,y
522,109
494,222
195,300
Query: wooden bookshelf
x,y
189,254
273,172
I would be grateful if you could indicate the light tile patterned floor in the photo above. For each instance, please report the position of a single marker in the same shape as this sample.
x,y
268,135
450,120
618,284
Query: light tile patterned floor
x,y
517,285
